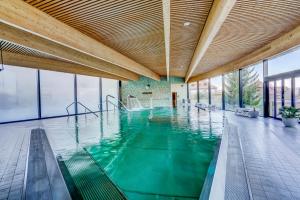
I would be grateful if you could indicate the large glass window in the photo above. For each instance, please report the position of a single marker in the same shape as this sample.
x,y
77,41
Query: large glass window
x,y
216,91
287,91
203,92
88,93
285,62
231,88
278,97
271,99
18,94
297,92
252,90
109,87
193,93
57,92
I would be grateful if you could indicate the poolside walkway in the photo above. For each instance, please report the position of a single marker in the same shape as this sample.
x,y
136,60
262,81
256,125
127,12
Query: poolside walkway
x,y
14,141
272,157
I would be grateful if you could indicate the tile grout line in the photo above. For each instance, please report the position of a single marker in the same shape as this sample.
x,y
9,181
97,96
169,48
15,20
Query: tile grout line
x,y
20,150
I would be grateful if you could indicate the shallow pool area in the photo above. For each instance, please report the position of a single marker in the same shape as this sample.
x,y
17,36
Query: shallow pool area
x,y
161,153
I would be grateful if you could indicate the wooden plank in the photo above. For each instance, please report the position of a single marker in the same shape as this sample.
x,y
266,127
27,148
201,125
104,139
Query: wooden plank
x,y
53,65
24,38
281,44
20,14
217,15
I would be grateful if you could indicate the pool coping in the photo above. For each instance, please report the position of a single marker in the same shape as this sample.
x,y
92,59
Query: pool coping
x,y
217,190
216,173
206,189
220,187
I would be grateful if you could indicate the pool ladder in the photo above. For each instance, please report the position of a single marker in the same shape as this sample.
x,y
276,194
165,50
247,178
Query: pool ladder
x,y
85,108
107,101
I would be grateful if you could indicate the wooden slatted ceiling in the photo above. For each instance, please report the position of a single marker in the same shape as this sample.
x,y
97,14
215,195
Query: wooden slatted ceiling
x,y
19,49
12,55
184,39
132,27
250,25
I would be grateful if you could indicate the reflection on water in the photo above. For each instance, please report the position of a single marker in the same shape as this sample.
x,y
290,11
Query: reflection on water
x,y
152,154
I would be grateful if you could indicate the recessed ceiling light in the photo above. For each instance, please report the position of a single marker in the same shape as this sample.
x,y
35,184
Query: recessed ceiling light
x,y
186,23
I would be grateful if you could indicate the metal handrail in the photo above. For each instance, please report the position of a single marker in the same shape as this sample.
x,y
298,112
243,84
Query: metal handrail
x,y
86,108
120,102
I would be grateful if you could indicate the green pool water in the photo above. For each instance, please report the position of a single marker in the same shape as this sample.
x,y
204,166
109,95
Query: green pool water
x,y
151,154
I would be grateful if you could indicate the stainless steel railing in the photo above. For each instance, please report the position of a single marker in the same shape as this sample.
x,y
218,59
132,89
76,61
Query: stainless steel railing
x,y
107,101
86,108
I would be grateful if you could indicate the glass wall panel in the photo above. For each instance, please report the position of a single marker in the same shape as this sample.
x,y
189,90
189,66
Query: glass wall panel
x,y
109,87
271,99
88,93
287,92
216,91
57,92
203,92
252,90
297,92
278,97
231,88
193,93
285,62
18,94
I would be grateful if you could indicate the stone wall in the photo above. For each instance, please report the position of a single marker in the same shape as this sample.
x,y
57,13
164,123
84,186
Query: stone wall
x,y
159,91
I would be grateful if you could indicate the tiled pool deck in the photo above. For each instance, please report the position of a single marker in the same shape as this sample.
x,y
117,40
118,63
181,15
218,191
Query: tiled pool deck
x,y
272,157
271,153
14,141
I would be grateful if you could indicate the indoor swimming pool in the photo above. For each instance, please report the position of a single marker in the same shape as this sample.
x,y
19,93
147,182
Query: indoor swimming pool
x,y
161,153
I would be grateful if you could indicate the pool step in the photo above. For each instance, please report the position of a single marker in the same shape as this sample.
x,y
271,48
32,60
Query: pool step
x,y
90,179
44,179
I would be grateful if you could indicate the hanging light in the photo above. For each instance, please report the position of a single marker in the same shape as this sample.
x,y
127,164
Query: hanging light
x,y
2,62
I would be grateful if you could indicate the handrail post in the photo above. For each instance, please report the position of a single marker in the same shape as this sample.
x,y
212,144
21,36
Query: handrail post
x,y
75,94
106,102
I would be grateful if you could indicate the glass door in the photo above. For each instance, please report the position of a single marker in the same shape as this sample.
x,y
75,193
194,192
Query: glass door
x,y
283,92
271,99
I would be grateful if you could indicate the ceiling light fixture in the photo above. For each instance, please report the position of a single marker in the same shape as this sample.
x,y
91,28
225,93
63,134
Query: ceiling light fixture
x,y
186,23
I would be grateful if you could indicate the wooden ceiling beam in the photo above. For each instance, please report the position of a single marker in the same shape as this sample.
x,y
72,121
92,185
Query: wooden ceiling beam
x,y
279,45
217,15
27,39
53,65
167,29
24,16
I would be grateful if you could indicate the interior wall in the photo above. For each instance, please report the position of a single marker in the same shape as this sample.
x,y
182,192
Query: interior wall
x,y
158,91
181,90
